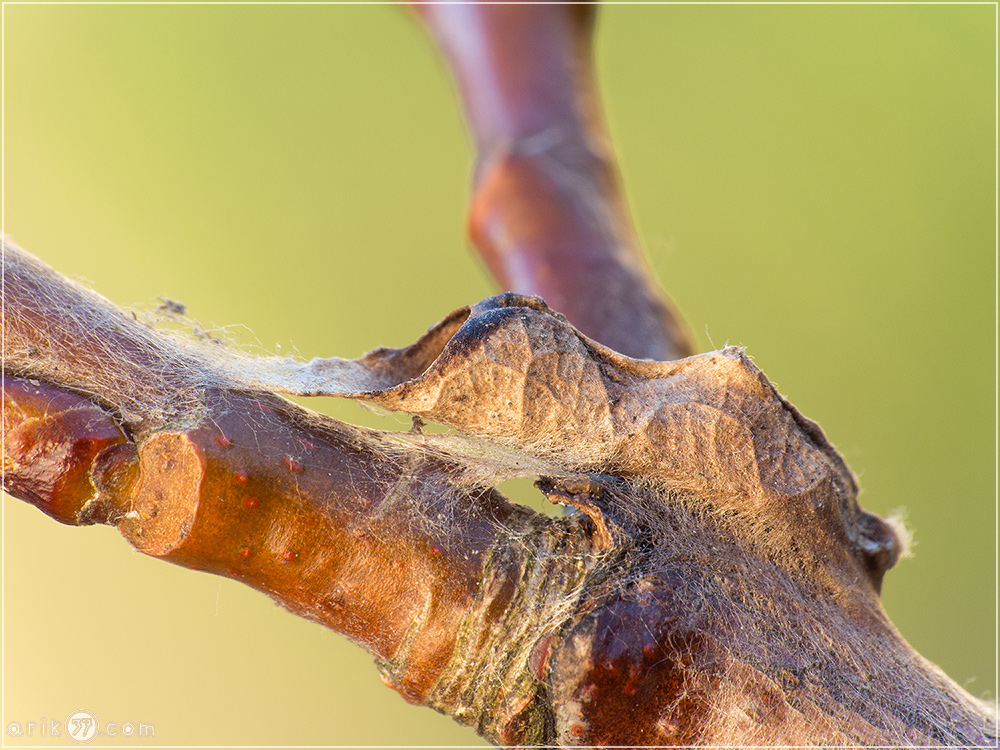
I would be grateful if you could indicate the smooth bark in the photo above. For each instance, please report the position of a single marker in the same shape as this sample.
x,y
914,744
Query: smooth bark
x,y
718,585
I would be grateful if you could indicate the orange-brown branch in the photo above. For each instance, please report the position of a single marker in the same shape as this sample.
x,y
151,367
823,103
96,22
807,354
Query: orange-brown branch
x,y
719,584
720,587
548,212
107,420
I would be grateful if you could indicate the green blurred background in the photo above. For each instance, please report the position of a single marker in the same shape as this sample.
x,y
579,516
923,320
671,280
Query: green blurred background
x,y
813,182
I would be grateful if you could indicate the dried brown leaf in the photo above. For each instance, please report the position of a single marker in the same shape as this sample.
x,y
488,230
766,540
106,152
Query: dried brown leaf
x,y
720,586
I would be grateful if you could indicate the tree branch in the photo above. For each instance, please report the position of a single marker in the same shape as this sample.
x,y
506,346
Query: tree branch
x,y
720,585
549,214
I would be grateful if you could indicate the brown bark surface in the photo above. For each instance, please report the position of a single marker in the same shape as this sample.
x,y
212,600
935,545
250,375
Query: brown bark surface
x,y
549,214
718,582
720,585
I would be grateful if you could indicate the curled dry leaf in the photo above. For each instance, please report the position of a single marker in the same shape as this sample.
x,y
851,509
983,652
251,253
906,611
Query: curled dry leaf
x,y
720,584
